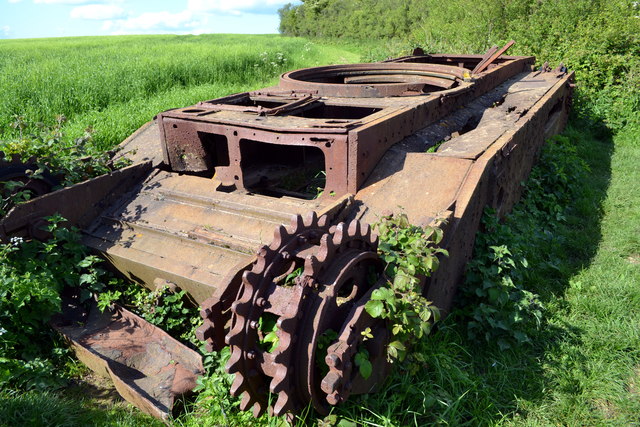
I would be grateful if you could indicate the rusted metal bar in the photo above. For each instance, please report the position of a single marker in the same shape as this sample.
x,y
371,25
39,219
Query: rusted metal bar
x,y
485,58
481,67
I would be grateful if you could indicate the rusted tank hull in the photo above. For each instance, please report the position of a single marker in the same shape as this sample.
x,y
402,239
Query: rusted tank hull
x,y
334,148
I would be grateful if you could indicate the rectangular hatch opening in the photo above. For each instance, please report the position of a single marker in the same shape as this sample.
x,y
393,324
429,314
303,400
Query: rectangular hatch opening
x,y
282,170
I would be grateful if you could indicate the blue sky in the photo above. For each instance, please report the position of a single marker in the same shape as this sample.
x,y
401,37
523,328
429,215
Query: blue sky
x,y
62,18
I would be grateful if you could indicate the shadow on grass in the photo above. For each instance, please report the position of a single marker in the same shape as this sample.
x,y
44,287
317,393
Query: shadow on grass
x,y
50,409
465,382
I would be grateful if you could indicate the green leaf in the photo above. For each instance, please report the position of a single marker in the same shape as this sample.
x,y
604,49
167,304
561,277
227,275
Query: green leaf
x,y
366,334
494,294
365,368
397,345
87,278
396,329
382,294
375,308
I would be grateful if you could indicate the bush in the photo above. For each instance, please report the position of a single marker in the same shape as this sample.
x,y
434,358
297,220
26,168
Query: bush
x,y
496,298
32,276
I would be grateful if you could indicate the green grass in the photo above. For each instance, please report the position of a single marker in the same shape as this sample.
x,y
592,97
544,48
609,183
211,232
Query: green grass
x,y
51,409
115,84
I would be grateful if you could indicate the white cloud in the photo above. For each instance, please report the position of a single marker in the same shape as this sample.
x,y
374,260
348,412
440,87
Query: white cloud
x,y
6,31
97,11
236,6
70,1
181,22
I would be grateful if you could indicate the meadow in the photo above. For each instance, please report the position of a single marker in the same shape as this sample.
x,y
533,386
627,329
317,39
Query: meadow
x,y
571,352
114,85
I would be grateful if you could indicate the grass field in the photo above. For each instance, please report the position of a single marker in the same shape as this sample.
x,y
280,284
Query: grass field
x,y
582,364
115,84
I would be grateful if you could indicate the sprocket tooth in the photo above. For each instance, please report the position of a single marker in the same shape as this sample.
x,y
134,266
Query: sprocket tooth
x,y
233,340
354,229
311,264
250,282
233,364
205,331
235,335
283,405
296,225
340,234
365,231
262,260
242,308
246,402
310,219
277,383
238,386
258,409
280,235
327,247
322,221
374,239
206,306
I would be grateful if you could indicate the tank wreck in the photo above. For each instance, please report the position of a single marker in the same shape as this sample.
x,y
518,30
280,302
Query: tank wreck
x,y
259,205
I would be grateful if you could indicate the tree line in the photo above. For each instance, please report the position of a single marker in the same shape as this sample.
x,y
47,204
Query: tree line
x,y
599,39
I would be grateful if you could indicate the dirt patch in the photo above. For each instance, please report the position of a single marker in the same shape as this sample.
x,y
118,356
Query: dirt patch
x,y
634,382
99,390
634,259
607,409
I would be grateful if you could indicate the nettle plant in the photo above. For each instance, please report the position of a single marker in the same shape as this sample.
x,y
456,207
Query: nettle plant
x,y
33,274
411,255
72,160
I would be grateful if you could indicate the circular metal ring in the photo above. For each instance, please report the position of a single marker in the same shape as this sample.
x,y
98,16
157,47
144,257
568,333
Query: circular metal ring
x,y
373,80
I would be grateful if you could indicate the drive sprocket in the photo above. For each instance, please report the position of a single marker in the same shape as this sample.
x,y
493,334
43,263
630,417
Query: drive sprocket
x,y
309,279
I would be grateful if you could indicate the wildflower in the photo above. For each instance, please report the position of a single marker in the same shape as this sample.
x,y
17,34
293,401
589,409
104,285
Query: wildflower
x,y
16,241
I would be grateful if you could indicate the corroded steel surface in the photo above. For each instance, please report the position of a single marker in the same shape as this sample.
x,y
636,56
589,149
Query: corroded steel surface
x,y
335,265
345,81
330,119
26,181
148,367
